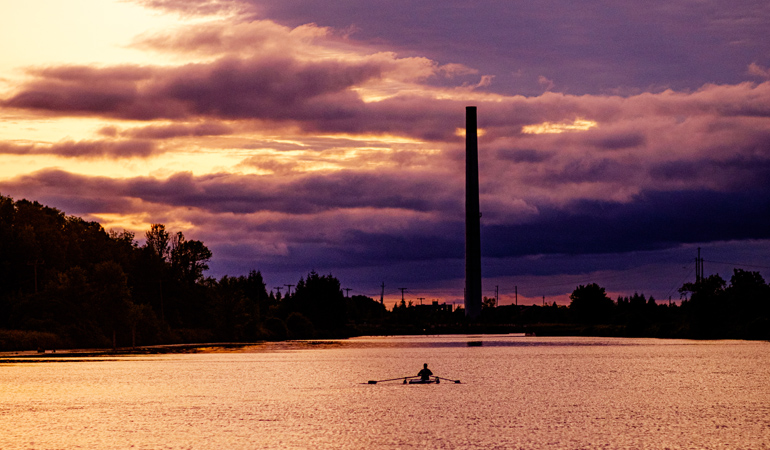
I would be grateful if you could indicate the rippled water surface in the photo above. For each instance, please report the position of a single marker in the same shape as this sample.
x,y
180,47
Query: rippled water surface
x,y
516,392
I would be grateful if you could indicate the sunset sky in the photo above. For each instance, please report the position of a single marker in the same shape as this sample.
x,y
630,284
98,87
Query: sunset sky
x,y
616,137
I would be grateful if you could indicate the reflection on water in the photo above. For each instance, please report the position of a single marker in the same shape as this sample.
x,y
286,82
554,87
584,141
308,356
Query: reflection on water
x,y
516,392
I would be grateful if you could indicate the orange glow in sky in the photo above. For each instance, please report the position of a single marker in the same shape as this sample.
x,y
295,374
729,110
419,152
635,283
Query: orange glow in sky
x,y
561,127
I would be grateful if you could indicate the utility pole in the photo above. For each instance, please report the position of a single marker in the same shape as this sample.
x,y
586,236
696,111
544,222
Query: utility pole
x,y
497,295
697,267
288,290
516,292
402,293
347,292
382,293
421,299
278,290
544,300
699,275
702,274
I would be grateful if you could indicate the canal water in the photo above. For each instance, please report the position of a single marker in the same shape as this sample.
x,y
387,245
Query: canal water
x,y
516,392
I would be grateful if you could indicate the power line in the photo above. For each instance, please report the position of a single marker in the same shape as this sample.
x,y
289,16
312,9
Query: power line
x,y
627,273
671,291
736,264
630,273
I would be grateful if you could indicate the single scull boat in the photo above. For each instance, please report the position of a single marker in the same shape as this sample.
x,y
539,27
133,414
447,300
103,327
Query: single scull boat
x,y
415,380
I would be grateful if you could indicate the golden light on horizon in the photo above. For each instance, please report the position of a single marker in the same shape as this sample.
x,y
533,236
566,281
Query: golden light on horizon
x,y
559,127
159,166
136,223
384,138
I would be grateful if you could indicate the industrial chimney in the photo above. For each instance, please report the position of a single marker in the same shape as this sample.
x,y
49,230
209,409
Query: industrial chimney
x,y
472,218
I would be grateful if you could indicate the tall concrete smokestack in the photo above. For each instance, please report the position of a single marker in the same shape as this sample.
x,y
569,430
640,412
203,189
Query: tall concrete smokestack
x,y
472,218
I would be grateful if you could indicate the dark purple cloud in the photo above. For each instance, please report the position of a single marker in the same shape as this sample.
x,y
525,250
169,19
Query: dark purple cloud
x,y
735,173
128,148
174,131
319,97
621,141
652,221
242,194
523,155
588,47
77,90
333,224
278,89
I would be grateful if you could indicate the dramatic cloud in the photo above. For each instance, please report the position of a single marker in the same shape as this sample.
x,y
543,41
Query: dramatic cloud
x,y
172,131
587,47
228,88
227,193
290,137
652,221
83,149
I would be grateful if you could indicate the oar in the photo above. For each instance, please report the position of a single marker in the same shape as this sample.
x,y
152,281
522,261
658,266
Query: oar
x,y
389,379
447,379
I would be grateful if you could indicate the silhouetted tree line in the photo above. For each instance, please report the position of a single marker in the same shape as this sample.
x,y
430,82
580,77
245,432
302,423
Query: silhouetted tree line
x,y
66,283
710,309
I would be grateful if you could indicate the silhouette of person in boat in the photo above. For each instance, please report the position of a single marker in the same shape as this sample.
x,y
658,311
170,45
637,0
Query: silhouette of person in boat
x,y
425,373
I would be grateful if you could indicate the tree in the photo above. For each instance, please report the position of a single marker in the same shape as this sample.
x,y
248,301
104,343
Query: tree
x,y
749,298
320,299
299,326
123,248
113,296
7,252
155,253
361,308
158,241
705,292
706,310
590,304
68,306
749,292
256,290
135,314
233,312
637,302
189,258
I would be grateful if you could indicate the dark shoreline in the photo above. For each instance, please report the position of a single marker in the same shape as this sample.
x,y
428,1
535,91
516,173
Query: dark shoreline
x,y
551,330
64,354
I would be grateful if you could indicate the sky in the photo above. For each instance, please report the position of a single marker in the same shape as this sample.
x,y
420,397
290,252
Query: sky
x,y
616,137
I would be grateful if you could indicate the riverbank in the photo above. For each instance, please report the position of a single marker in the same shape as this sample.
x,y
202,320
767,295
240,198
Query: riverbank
x,y
64,354
541,330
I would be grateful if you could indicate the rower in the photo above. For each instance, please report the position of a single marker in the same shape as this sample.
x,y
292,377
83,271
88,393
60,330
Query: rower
x,y
425,373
